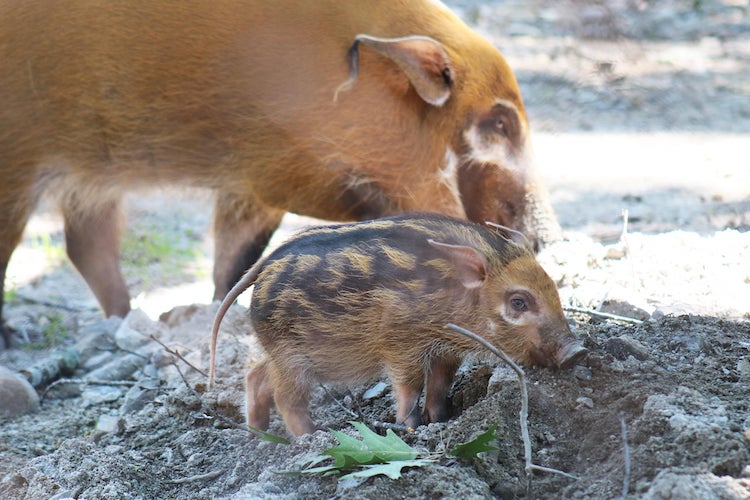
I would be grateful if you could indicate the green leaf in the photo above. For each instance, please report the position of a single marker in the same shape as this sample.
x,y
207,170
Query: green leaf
x,y
391,469
349,452
385,448
372,449
372,455
477,445
267,436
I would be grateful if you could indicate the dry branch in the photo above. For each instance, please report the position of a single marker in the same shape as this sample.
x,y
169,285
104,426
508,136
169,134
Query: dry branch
x,y
54,366
598,314
530,467
178,355
200,477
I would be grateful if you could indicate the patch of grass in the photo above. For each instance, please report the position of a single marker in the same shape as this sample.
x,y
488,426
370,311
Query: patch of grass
x,y
53,331
152,253
10,295
53,252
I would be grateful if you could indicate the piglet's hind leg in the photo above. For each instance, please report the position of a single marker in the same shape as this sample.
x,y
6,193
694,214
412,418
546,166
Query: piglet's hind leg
x,y
292,400
259,396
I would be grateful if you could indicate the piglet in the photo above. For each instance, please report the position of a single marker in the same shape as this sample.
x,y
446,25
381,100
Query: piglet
x,y
348,303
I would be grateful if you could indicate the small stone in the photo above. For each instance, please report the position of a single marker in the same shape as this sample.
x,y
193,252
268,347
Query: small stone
x,y
139,396
375,391
179,315
743,366
584,402
622,347
17,396
96,395
136,330
625,309
582,372
110,424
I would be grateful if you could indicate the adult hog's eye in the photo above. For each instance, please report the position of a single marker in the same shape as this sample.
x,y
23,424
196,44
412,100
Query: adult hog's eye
x,y
519,304
501,127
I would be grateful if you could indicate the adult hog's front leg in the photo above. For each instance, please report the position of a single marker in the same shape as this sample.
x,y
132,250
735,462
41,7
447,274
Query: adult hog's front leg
x,y
92,239
242,230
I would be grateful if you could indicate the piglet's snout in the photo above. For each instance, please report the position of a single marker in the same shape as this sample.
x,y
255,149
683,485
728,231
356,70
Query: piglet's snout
x,y
570,353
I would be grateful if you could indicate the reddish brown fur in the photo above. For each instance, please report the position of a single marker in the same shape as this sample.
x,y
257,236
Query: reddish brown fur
x,y
237,95
389,313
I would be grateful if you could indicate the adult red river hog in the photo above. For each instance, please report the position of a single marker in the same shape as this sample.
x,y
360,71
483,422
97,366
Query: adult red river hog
x,y
342,110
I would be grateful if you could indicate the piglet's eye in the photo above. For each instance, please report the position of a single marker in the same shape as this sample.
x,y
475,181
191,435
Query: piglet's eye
x,y
519,304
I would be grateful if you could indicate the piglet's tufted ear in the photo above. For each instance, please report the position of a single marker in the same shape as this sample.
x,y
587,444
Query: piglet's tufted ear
x,y
470,263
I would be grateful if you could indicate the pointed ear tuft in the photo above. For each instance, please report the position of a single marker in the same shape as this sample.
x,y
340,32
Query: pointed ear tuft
x,y
470,263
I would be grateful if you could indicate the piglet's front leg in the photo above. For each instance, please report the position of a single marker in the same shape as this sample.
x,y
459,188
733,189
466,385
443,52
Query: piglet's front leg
x,y
407,390
439,381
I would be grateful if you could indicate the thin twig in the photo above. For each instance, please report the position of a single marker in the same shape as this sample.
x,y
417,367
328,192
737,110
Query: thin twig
x,y
83,381
205,407
530,467
626,456
354,414
361,418
591,312
225,420
199,477
54,305
178,355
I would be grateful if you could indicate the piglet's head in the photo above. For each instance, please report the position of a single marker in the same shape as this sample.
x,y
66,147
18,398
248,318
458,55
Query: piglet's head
x,y
518,307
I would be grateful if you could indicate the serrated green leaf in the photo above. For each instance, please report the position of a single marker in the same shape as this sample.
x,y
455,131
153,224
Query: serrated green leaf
x,y
349,452
391,469
385,448
267,436
477,445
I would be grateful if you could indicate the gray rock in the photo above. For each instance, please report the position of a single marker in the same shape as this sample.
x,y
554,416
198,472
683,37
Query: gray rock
x,y
622,347
17,396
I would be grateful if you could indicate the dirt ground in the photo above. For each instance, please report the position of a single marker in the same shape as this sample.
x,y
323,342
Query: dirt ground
x,y
638,107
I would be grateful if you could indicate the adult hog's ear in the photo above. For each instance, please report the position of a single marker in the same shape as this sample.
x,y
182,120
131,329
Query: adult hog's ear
x,y
423,60
470,263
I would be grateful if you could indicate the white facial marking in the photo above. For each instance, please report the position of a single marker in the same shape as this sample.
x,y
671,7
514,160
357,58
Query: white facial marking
x,y
498,152
514,318
448,174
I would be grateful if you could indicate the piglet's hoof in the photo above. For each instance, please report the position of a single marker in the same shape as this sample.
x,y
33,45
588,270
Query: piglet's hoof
x,y
16,394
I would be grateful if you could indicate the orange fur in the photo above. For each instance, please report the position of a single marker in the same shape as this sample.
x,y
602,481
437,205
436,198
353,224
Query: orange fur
x,y
100,97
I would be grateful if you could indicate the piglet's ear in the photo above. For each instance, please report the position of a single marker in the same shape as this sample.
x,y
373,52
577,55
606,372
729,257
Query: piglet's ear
x,y
470,264
423,60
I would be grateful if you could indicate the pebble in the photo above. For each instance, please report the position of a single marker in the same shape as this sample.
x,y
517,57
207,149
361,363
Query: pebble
x,y
375,391
584,402
582,372
624,346
17,396
135,331
110,424
96,395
